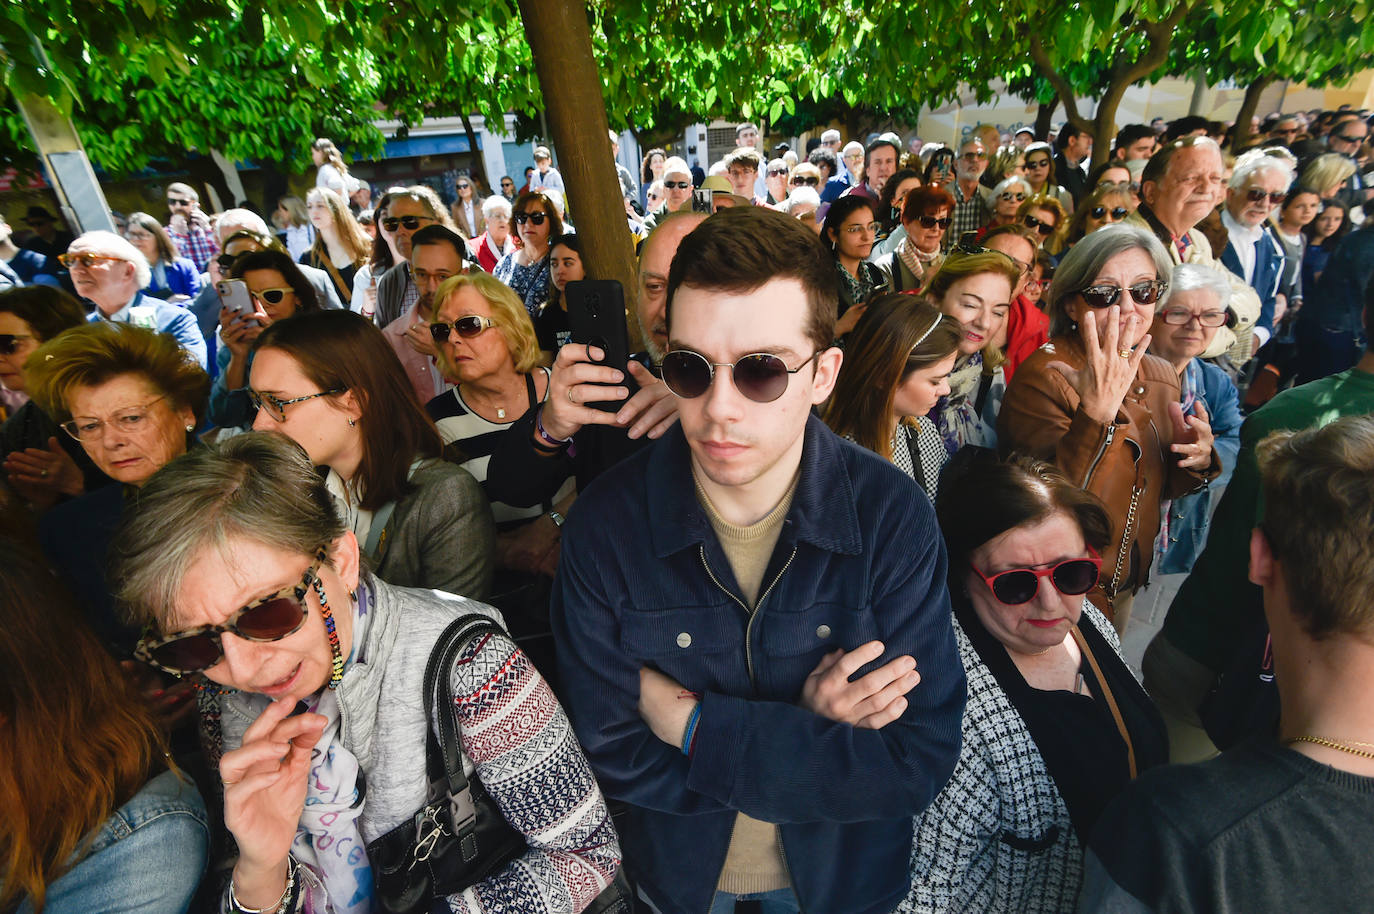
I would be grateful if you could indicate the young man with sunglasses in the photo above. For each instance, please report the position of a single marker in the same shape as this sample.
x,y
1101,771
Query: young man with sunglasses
x,y
717,594
1181,184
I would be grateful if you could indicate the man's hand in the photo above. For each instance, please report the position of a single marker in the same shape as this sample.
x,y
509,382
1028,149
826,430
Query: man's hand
x,y
665,706
420,339
873,701
651,411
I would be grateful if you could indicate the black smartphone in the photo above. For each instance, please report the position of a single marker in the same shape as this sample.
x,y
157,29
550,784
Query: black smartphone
x,y
596,317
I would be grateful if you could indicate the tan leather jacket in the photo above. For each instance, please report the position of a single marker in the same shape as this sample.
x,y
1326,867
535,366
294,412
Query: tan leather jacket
x,y
1126,463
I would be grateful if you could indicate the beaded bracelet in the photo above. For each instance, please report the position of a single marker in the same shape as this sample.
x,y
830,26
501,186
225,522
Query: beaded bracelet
x,y
281,907
691,729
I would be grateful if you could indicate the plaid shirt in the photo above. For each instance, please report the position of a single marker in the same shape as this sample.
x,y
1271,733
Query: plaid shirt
x,y
969,215
198,243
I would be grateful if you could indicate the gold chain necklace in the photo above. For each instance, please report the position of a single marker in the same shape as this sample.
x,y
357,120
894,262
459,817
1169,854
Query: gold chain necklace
x,y
1332,744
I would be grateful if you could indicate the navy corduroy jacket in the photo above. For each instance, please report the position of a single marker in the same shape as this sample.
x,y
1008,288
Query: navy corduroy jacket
x,y
645,582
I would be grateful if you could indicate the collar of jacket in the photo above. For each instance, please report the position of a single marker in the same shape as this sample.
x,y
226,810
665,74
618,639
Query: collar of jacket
x,y
822,513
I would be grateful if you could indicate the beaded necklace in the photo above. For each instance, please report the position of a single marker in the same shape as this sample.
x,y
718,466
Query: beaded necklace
x,y
337,663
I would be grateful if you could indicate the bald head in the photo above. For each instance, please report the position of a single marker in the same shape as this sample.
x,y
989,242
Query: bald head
x,y
655,257
238,220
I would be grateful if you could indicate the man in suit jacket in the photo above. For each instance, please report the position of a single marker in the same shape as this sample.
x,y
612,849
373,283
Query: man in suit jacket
x,y
1257,187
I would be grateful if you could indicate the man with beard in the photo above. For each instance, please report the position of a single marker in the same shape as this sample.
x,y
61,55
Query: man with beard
x,y
566,437
971,209
436,253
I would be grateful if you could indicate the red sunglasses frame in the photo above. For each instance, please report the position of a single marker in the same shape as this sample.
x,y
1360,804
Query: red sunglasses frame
x,y
1043,573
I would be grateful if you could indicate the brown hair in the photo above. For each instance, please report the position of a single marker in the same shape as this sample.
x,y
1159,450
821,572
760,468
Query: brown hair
x,y
307,299
1055,240
341,349
982,497
166,251
75,744
92,354
47,310
880,353
351,234
549,208
744,247
1319,520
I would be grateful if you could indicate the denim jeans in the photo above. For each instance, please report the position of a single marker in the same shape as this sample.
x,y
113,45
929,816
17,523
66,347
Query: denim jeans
x,y
147,858
778,901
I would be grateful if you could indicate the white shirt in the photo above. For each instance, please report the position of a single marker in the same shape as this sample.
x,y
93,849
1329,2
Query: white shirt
x,y
1243,239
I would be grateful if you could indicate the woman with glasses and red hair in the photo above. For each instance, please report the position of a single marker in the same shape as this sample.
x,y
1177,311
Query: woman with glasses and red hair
x,y
1056,724
1096,404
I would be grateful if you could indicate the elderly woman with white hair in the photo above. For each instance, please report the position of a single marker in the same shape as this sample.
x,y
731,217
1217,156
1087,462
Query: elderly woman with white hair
x,y
496,242
802,205
1187,318
1007,198
1106,412
110,273
677,184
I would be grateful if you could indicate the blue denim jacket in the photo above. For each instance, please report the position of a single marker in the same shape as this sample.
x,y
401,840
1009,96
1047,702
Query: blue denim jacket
x,y
1190,515
644,581
147,858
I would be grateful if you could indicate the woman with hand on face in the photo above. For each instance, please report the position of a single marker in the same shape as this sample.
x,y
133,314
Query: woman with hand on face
x,y
527,270
898,363
1186,320
330,381
849,231
175,278
133,399
341,246
42,463
1056,724
277,290
243,571
1104,410
974,289
551,326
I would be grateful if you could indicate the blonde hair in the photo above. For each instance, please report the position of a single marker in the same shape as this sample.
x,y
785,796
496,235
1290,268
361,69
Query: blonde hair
x,y
959,266
295,210
1054,242
1326,171
351,234
507,310
93,354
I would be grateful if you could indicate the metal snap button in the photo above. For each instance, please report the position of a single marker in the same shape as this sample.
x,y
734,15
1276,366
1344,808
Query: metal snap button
x,y
822,631
1139,391
684,639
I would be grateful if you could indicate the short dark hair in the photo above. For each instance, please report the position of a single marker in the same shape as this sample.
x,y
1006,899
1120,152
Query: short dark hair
x,y
440,234
824,155
307,299
742,248
746,156
46,309
868,151
1186,125
1066,133
1132,133
981,497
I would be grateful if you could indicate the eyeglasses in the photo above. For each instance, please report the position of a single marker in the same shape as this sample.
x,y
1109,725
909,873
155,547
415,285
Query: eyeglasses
x,y
126,420
1038,163
411,223
1255,195
1144,293
973,156
268,619
1117,212
138,235
87,261
1071,577
536,218
761,377
776,172
1181,316
467,326
271,296
680,185
276,408
1018,196
1350,139
1040,225
931,222
871,228
807,180
9,342
173,201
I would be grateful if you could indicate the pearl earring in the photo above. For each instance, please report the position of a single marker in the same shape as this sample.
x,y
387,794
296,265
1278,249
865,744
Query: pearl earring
x,y
190,428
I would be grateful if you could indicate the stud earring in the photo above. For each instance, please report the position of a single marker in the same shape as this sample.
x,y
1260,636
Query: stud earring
x,y
352,422
190,428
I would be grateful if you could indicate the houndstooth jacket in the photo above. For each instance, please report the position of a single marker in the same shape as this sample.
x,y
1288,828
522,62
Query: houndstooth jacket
x,y
998,837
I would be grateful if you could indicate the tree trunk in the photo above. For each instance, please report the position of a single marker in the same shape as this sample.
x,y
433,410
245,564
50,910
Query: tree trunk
x,y
1044,119
1104,123
479,165
1241,137
561,43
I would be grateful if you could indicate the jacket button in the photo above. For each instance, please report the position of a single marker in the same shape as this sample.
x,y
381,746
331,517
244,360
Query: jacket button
x,y
822,631
1139,391
684,639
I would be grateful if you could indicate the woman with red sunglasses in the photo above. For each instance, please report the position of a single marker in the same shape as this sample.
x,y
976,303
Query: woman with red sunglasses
x,y
1096,404
1055,725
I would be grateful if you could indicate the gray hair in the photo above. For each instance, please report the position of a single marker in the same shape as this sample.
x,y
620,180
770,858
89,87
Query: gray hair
x,y
1008,183
1086,259
801,196
495,204
101,242
1256,162
1191,277
239,220
258,486
830,135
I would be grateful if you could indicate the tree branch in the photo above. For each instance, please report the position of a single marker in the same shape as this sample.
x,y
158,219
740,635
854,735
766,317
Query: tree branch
x,y
1041,58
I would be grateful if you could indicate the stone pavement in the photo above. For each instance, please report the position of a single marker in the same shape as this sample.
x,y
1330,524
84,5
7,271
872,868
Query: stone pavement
x,y
1147,616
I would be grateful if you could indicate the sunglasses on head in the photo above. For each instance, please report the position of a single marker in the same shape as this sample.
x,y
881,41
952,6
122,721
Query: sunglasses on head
x,y
930,221
808,180
1144,293
968,246
1071,577
9,342
411,223
761,377
467,326
226,261
1255,195
1039,225
536,218
267,619
1100,212
680,185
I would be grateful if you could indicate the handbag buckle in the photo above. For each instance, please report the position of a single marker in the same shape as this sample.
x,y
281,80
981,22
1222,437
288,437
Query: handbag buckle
x,y
430,830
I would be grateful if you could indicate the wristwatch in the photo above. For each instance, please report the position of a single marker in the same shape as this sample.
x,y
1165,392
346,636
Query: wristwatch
x,y
556,518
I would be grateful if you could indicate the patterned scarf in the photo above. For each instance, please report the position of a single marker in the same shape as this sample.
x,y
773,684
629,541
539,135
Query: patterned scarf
x,y
918,261
861,286
954,415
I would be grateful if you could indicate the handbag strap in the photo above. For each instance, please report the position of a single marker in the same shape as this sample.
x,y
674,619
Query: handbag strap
x,y
438,687
1109,698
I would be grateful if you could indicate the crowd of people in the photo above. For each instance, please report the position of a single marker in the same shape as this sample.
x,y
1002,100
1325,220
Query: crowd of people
x,y
374,586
